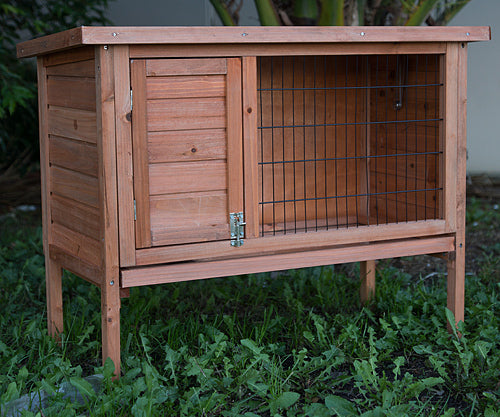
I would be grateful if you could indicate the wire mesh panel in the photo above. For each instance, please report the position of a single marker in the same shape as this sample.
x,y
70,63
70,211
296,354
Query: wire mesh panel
x,y
348,140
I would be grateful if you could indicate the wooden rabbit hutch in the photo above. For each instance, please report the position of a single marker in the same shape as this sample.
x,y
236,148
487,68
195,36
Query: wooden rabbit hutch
x,y
171,154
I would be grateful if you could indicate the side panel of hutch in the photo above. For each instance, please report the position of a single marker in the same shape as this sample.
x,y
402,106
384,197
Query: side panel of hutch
x,y
165,158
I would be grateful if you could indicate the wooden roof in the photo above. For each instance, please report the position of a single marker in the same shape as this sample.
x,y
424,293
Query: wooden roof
x,y
109,35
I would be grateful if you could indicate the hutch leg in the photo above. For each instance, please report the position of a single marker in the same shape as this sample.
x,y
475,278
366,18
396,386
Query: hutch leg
x,y
456,283
110,318
53,283
367,276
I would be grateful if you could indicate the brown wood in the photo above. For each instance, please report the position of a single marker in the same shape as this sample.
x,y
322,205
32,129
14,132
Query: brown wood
x,y
73,155
73,92
74,69
200,270
451,135
78,217
186,114
53,270
75,186
110,285
196,176
456,262
82,53
76,244
250,141
189,217
234,137
186,67
76,265
367,276
295,49
292,242
186,86
189,145
248,35
124,152
140,153
72,124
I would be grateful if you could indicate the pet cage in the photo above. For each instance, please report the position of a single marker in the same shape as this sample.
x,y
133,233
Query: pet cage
x,y
172,154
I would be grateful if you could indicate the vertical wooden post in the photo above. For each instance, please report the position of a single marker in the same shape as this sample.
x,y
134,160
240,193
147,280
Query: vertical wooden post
x,y
367,276
249,86
456,261
106,143
53,271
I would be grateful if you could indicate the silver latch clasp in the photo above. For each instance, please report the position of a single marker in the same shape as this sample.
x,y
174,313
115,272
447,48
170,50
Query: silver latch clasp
x,y
237,232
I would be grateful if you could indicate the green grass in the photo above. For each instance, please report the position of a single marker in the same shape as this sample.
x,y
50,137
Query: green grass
x,y
293,343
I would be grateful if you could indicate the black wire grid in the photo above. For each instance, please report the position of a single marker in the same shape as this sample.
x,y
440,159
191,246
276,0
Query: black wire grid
x,y
346,141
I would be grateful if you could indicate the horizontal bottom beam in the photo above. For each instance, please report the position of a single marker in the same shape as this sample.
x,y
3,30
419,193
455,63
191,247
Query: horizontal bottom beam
x,y
237,266
83,269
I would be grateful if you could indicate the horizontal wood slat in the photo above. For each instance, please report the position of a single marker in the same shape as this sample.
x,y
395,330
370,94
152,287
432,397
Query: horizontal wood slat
x,y
73,92
186,114
72,123
74,69
76,265
76,244
291,242
186,86
187,145
74,155
196,176
185,67
188,217
200,270
74,55
77,217
75,186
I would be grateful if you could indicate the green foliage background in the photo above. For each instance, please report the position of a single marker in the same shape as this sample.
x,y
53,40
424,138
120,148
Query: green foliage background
x,y
22,20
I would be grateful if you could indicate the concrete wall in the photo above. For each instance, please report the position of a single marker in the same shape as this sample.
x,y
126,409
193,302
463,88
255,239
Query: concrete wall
x,y
484,60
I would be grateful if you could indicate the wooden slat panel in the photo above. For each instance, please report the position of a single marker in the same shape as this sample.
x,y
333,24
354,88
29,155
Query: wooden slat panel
x,y
75,186
76,265
186,86
140,152
74,69
234,136
199,270
156,67
124,152
74,155
73,92
76,244
77,217
250,142
196,176
74,55
291,242
72,123
187,145
189,217
186,114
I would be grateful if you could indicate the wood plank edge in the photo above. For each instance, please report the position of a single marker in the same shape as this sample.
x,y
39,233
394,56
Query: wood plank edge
x,y
84,269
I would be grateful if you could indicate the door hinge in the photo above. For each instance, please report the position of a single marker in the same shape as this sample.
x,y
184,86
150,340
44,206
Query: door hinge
x,y
131,101
135,210
237,232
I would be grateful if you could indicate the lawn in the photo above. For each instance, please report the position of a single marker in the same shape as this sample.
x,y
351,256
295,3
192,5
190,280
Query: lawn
x,y
291,343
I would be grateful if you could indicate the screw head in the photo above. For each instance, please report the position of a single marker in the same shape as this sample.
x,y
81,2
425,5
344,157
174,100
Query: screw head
x,y
105,47
467,34
244,34
114,33
111,283
362,33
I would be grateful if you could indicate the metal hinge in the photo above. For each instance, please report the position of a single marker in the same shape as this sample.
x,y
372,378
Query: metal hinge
x,y
237,233
131,102
135,210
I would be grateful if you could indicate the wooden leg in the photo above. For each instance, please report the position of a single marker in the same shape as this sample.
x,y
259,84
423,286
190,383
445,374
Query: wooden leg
x,y
456,283
53,283
367,276
110,317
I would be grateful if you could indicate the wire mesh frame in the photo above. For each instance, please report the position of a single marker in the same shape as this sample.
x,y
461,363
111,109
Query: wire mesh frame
x,y
348,141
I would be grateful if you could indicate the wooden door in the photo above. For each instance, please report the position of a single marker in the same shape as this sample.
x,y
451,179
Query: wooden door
x,y
187,149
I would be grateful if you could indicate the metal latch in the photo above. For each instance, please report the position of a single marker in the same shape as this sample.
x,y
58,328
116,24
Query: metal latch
x,y
237,232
